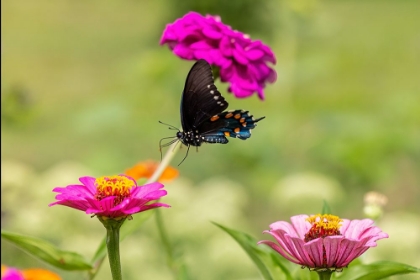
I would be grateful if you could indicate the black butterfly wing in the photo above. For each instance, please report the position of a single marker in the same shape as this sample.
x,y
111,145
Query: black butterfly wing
x,y
200,99
233,123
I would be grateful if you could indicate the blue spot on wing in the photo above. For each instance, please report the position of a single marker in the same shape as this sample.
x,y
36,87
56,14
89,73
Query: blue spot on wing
x,y
216,137
239,123
234,123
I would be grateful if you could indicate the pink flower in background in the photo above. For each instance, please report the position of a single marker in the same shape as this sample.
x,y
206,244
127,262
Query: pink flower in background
x,y
195,37
323,241
110,196
242,61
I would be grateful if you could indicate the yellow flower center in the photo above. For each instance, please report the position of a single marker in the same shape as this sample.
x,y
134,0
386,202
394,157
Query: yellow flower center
x,y
118,186
322,226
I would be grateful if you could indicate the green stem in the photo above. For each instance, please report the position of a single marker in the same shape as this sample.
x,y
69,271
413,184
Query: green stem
x,y
324,275
172,150
95,269
113,244
164,236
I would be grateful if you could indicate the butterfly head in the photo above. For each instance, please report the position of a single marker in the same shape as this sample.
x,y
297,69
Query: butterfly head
x,y
181,137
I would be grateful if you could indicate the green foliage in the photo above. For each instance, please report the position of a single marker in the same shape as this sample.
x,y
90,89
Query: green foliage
x,y
16,106
375,271
47,252
326,209
253,17
270,265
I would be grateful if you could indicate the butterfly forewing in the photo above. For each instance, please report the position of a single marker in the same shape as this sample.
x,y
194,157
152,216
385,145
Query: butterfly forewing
x,y
200,100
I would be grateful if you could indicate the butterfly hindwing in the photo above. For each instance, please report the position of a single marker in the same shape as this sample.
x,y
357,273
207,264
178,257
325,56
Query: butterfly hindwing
x,y
200,99
233,123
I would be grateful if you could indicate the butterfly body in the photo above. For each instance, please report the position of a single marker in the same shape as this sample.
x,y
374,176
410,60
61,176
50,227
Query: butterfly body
x,y
203,115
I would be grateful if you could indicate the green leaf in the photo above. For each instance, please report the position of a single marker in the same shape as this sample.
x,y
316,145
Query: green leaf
x,y
47,252
326,208
271,265
374,271
182,273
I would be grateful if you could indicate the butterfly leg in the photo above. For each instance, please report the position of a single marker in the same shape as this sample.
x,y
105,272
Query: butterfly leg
x,y
188,149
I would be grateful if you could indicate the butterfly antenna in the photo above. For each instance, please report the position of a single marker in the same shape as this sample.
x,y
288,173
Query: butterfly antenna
x,y
188,149
169,143
170,126
166,144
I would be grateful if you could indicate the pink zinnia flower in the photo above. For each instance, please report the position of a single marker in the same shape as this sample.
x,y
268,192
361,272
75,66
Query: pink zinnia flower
x,y
242,61
110,196
323,241
11,273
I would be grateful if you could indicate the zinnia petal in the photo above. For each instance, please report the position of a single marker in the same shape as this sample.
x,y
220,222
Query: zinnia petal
x,y
212,33
38,274
119,197
146,169
254,54
302,241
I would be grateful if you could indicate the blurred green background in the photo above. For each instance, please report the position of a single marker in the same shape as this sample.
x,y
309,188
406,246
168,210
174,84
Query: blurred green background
x,y
84,84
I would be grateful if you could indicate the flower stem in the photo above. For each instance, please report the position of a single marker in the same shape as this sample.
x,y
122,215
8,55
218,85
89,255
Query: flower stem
x,y
164,237
113,244
324,275
172,149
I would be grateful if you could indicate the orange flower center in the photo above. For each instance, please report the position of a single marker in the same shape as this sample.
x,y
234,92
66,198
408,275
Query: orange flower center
x,y
118,186
322,226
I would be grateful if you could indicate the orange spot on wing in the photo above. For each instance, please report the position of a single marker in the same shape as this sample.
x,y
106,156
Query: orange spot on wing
x,y
214,118
242,120
237,116
229,115
227,133
237,130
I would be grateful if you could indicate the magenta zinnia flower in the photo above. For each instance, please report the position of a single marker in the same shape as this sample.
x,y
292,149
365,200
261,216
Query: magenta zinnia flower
x,y
11,273
110,196
323,241
242,61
